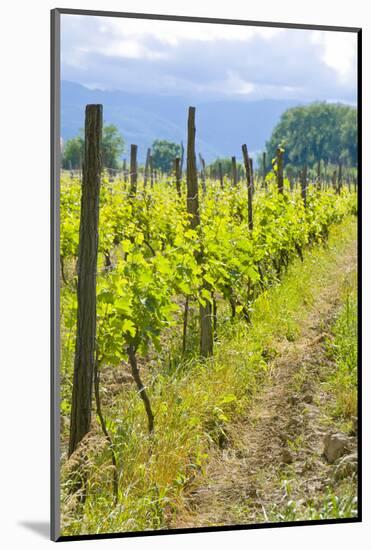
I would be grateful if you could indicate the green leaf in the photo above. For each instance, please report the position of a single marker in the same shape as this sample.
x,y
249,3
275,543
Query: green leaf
x,y
230,398
128,326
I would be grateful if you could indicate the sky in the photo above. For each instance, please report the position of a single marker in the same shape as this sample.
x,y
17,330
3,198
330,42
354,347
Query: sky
x,y
208,61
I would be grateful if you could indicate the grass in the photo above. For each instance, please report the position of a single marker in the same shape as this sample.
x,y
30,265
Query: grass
x,y
342,348
194,404
332,506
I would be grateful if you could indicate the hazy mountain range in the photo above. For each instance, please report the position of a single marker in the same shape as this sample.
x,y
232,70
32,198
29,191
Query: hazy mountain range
x,y
221,126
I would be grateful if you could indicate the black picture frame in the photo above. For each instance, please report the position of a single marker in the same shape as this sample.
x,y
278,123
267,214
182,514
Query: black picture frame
x,y
54,271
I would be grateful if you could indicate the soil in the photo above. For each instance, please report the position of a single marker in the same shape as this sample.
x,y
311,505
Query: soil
x,y
275,454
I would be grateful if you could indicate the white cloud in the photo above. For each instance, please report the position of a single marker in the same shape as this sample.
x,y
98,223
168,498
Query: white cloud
x,y
237,85
178,31
204,60
125,48
339,52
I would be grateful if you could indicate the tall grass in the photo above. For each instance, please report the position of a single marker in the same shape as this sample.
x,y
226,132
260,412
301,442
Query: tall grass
x,y
344,351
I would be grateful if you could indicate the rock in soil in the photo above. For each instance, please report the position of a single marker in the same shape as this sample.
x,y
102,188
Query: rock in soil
x,y
336,445
308,398
294,399
287,457
346,466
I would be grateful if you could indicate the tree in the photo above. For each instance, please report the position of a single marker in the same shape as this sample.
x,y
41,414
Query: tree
x,y
73,153
319,131
349,136
113,145
164,153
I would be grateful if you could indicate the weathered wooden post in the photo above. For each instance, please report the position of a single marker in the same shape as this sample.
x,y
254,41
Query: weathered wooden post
x,y
151,173
279,173
146,167
348,182
264,169
220,168
133,170
84,363
203,173
192,184
181,159
249,186
206,336
319,175
234,172
334,177
340,176
177,177
124,170
326,175
303,182
252,175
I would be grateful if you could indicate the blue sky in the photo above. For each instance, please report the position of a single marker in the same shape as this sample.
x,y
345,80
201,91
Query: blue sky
x,y
207,61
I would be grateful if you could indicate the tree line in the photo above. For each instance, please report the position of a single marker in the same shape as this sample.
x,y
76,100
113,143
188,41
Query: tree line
x,y
316,133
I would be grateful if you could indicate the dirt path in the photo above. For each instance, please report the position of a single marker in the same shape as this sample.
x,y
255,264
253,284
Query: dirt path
x,y
275,454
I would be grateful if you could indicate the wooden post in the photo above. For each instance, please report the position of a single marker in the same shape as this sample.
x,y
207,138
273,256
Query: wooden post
x,y
234,172
303,181
192,184
203,173
124,171
151,174
319,175
279,174
220,167
334,174
249,186
252,175
340,175
146,167
206,330
83,374
264,169
325,174
133,170
177,177
181,159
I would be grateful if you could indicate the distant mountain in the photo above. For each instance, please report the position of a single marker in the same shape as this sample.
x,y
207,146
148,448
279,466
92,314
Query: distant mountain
x,y
221,126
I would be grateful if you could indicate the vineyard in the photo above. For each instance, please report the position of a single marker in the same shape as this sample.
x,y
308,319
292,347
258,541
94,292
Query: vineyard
x,y
158,350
